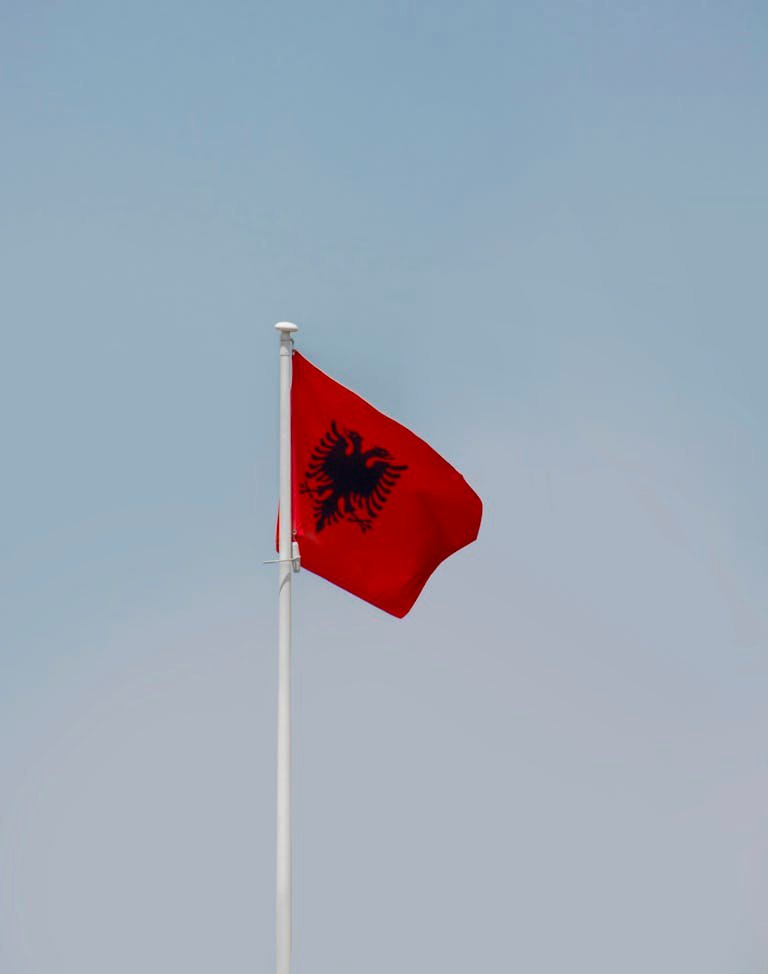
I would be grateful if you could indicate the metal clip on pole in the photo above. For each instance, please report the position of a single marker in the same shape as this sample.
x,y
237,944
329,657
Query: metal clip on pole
x,y
294,561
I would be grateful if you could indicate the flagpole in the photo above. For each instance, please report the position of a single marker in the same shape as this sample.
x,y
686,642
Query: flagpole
x,y
285,553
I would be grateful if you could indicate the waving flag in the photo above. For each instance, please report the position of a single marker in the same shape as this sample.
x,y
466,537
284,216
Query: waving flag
x,y
375,508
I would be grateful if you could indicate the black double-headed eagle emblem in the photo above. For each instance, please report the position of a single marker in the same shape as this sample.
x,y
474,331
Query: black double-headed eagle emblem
x,y
346,482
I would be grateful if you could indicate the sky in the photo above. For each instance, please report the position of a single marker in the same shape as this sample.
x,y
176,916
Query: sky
x,y
534,233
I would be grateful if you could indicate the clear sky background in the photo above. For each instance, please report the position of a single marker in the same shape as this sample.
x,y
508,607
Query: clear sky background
x,y
535,233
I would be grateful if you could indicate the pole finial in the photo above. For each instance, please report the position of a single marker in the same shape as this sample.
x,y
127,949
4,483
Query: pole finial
x,y
286,327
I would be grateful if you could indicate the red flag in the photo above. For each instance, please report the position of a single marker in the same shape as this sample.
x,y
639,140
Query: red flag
x,y
375,509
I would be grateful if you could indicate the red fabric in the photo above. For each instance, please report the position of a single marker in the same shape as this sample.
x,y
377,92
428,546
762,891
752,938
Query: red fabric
x,y
375,508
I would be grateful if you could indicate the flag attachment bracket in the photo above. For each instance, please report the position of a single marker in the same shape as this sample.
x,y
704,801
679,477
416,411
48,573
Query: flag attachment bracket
x,y
294,561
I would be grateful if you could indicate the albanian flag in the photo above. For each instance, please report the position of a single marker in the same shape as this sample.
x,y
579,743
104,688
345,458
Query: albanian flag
x,y
375,509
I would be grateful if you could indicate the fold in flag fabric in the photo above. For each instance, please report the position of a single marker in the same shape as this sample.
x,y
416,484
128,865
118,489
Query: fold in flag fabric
x,y
375,508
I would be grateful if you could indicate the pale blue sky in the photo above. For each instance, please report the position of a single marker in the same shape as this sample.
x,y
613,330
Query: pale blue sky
x,y
536,234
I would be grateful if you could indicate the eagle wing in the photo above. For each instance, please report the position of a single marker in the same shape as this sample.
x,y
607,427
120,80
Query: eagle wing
x,y
328,468
375,483
326,465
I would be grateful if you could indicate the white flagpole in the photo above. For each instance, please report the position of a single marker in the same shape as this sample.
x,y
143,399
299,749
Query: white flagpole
x,y
285,556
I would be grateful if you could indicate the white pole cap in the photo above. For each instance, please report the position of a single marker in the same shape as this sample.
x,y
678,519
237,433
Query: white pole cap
x,y
286,327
